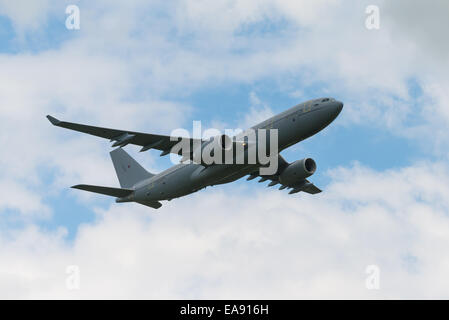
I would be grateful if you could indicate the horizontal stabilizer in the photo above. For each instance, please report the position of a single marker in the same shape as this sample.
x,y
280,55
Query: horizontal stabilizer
x,y
113,192
151,204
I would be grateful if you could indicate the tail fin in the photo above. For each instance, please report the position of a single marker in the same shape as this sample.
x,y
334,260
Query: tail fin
x,y
129,172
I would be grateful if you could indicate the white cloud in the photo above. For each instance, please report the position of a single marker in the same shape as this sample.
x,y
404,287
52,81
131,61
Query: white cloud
x,y
129,67
258,112
27,15
262,245
13,194
423,24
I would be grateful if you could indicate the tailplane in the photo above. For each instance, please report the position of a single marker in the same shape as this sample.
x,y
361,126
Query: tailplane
x,y
113,192
129,172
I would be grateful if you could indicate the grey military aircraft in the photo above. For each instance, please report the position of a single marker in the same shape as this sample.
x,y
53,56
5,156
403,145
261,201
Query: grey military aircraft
x,y
139,185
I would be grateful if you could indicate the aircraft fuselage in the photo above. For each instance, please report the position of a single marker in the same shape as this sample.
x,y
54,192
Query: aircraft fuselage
x,y
293,125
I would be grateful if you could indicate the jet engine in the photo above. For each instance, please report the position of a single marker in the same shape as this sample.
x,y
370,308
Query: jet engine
x,y
297,171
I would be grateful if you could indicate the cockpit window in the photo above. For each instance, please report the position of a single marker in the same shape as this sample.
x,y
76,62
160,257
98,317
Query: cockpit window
x,y
325,100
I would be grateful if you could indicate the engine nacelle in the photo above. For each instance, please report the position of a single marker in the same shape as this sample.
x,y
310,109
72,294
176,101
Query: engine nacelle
x,y
297,171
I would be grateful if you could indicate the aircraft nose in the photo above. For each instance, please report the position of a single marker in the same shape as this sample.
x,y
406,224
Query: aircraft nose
x,y
337,107
333,110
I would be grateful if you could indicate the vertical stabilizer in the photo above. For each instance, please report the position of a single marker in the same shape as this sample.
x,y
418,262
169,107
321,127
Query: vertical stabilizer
x,y
129,172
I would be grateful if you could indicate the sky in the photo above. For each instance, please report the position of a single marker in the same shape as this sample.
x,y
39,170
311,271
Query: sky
x,y
154,66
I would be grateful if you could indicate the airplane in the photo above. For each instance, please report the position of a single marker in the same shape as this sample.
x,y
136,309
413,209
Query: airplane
x,y
138,185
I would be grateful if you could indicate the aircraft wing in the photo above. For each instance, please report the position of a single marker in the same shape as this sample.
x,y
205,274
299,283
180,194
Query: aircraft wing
x,y
124,137
305,185
311,188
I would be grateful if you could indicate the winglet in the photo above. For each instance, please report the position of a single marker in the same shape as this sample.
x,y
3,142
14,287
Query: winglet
x,y
53,121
